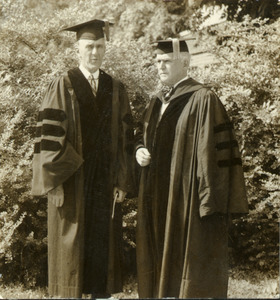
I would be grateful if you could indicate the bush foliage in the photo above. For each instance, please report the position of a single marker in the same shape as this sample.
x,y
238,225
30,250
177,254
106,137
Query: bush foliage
x,y
33,52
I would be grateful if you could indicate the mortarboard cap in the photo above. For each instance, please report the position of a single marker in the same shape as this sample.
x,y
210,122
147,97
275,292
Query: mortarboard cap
x,y
91,30
170,45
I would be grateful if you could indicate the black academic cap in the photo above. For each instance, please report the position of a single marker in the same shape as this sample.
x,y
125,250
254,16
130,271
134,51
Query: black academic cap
x,y
91,30
170,45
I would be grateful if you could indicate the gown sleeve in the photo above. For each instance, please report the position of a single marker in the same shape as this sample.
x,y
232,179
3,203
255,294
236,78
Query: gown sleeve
x,y
221,185
55,158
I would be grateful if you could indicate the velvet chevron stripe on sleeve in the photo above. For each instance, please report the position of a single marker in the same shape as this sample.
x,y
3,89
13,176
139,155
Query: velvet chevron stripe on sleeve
x,y
49,130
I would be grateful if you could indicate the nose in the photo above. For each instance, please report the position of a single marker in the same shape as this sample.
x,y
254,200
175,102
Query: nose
x,y
94,50
161,65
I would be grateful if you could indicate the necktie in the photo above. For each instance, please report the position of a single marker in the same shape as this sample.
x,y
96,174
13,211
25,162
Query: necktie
x,y
167,95
92,83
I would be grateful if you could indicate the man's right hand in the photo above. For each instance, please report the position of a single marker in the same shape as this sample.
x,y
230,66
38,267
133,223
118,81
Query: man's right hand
x,y
143,157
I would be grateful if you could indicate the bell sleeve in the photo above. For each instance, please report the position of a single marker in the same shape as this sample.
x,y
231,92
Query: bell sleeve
x,y
221,186
55,159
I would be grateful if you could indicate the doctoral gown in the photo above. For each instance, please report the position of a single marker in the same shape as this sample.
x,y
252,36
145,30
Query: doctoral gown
x,y
194,181
84,143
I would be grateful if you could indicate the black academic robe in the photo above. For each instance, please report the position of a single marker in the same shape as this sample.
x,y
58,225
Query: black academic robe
x,y
193,182
85,144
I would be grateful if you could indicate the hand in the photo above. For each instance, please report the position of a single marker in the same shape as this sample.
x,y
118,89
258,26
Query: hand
x,y
56,196
143,157
120,195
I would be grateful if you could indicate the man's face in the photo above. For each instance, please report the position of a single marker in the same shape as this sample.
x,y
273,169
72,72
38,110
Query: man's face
x,y
91,53
170,70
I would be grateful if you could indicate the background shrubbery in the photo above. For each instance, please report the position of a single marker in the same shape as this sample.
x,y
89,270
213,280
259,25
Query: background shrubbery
x,y
246,78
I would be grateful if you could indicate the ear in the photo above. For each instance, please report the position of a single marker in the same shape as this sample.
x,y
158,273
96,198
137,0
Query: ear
x,y
77,49
76,46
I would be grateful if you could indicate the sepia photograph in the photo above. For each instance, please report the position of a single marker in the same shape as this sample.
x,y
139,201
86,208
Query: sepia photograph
x,y
139,149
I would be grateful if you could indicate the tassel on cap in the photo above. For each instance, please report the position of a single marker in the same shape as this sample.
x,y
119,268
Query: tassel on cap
x,y
106,30
176,48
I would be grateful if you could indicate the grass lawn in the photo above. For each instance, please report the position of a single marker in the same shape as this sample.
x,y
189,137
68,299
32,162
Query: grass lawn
x,y
241,285
253,284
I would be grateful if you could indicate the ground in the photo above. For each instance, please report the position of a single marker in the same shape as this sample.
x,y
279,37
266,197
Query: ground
x,y
242,284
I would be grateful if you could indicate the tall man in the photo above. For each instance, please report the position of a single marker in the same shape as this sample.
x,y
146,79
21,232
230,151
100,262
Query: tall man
x,y
82,151
191,181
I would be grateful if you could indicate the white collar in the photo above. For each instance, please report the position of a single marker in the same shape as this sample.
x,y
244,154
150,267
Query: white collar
x,y
87,73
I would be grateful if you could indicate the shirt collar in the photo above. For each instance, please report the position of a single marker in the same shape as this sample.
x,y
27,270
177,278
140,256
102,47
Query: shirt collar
x,y
87,73
171,92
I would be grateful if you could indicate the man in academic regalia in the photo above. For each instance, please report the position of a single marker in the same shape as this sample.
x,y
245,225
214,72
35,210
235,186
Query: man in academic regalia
x,y
191,183
84,144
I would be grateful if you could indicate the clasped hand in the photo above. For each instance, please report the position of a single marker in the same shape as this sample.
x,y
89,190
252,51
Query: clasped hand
x,y
118,194
143,157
